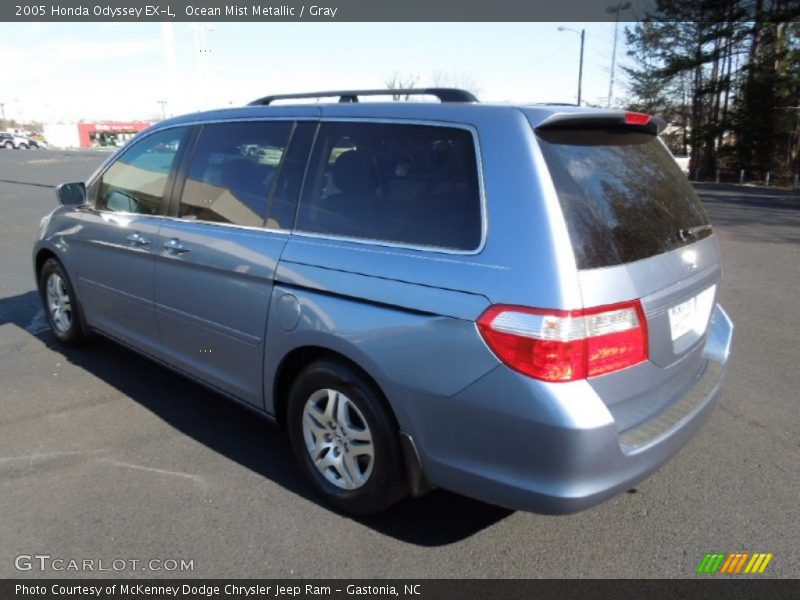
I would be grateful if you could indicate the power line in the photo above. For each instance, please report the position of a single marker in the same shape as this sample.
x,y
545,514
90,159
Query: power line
x,y
544,58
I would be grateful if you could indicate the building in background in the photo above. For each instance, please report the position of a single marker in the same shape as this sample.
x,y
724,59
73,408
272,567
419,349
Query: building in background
x,y
89,134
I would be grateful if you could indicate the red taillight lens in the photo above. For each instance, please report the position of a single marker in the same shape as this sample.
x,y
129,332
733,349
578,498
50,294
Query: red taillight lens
x,y
565,345
634,118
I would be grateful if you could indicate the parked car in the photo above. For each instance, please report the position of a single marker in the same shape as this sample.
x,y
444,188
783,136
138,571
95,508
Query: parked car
x,y
6,141
514,303
37,141
16,141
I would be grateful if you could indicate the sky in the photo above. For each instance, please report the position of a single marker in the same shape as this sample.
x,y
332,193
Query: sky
x,y
63,72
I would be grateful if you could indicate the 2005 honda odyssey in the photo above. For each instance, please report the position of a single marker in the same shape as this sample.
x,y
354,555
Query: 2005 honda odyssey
x,y
515,303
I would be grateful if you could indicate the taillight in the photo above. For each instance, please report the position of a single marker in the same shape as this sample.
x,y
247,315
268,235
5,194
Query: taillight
x,y
565,345
634,118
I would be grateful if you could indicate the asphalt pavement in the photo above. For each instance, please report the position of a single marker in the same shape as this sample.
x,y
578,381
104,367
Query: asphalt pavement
x,y
105,455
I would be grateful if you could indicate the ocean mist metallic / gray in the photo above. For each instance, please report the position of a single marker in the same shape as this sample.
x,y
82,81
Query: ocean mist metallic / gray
x,y
496,300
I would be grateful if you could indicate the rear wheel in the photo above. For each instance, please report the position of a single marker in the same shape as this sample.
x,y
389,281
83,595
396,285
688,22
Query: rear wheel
x,y
344,438
8,145
60,304
23,146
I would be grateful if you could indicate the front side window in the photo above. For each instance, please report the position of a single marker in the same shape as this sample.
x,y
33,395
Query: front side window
x,y
233,172
137,181
409,184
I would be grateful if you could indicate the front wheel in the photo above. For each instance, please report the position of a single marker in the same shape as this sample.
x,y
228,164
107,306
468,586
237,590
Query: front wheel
x,y
60,304
345,439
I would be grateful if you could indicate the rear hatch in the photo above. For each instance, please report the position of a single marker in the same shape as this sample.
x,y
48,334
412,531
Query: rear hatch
x,y
638,232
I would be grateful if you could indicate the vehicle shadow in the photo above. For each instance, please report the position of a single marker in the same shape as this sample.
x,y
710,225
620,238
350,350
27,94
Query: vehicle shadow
x,y
20,310
438,518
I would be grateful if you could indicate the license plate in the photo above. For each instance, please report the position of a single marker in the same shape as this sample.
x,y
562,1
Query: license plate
x,y
682,318
691,315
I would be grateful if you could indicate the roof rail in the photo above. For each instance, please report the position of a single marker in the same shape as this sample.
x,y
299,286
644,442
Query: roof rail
x,y
443,94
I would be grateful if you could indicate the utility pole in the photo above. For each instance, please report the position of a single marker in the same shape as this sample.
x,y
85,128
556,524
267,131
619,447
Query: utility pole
x,y
171,77
614,9
163,104
580,67
3,110
202,52
582,33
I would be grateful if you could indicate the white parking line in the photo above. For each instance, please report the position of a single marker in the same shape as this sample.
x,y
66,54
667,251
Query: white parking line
x,y
191,476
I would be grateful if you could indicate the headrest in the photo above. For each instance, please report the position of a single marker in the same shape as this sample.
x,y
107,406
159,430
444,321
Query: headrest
x,y
352,173
240,174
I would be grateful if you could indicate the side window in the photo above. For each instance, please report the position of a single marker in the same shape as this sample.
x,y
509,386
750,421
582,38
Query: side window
x,y
137,181
410,184
283,203
233,172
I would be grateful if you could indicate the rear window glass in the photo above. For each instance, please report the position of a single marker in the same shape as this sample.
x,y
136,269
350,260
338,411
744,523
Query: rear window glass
x,y
623,196
410,184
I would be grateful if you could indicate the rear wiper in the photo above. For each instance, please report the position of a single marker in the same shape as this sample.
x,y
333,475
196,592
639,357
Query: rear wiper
x,y
692,232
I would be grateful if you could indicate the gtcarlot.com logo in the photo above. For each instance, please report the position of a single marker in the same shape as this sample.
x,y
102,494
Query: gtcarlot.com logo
x,y
734,563
46,562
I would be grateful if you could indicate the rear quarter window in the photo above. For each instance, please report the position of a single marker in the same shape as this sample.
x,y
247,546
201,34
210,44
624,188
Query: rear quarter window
x,y
622,195
409,184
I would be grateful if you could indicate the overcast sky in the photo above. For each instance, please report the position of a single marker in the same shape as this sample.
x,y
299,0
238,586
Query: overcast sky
x,y
65,72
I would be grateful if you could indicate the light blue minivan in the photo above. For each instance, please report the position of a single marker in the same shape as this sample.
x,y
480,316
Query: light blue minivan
x,y
515,303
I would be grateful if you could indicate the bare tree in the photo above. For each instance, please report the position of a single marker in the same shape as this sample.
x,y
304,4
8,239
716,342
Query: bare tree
x,y
455,79
396,81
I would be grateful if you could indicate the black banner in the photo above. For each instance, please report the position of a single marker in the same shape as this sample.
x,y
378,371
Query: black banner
x,y
419,589
324,10
341,10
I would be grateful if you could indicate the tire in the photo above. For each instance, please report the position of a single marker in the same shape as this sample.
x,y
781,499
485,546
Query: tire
x,y
349,477
8,145
23,146
61,305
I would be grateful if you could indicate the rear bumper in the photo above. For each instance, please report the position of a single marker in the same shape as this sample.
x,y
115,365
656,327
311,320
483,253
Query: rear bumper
x,y
555,448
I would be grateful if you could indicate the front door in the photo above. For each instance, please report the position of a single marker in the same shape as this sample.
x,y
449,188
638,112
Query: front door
x,y
115,246
216,260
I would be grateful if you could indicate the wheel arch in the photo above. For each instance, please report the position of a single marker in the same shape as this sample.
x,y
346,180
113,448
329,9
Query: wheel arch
x,y
298,359
41,257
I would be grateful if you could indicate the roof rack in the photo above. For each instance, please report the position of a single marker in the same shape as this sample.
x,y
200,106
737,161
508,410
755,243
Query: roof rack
x,y
345,96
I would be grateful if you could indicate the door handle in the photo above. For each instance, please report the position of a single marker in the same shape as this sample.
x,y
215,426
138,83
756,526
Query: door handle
x,y
174,245
137,239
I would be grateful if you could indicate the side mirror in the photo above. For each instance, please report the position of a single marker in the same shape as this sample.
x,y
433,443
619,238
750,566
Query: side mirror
x,y
71,194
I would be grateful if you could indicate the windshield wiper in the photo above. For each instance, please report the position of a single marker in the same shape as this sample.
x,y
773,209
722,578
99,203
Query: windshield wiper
x,y
692,232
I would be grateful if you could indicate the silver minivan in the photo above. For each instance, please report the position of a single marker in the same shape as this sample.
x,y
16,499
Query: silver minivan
x,y
515,303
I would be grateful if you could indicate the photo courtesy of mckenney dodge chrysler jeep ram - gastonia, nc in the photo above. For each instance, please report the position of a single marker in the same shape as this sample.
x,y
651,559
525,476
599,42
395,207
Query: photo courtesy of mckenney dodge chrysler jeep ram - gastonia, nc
x,y
514,303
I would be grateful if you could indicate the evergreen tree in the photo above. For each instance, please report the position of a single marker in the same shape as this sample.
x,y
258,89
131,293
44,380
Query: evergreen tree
x,y
725,73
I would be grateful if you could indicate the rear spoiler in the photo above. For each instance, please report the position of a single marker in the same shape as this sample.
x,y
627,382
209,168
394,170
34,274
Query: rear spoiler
x,y
604,119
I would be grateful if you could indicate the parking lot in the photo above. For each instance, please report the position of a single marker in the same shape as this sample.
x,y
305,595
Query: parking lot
x,y
104,455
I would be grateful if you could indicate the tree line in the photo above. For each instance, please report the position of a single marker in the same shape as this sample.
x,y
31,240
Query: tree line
x,y
726,75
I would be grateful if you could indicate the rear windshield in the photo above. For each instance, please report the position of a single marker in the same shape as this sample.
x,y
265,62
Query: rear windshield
x,y
623,196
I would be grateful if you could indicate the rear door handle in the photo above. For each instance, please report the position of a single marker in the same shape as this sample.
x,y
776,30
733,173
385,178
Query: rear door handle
x,y
137,239
175,246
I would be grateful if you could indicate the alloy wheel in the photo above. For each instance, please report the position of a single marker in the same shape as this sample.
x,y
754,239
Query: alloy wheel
x,y
58,303
338,439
